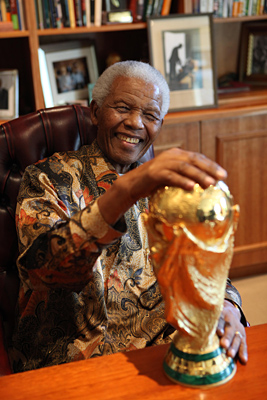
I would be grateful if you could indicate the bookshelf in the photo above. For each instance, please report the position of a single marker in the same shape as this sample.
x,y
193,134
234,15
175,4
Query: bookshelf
x,y
235,127
130,40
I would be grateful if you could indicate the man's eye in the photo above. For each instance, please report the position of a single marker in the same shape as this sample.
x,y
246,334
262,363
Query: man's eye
x,y
122,109
151,117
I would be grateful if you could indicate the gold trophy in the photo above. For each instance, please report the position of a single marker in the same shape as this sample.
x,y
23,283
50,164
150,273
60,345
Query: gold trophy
x,y
191,236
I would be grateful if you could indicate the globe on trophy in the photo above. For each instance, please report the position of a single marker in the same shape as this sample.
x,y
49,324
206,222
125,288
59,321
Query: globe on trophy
x,y
191,238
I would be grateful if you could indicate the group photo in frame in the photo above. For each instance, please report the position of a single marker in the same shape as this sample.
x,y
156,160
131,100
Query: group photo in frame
x,y
181,48
9,94
66,69
253,53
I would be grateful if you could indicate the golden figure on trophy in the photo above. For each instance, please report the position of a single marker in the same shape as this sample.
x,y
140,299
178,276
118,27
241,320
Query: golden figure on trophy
x,y
191,236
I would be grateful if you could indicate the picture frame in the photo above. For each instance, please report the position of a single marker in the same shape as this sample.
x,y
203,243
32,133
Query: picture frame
x,y
181,47
66,69
9,94
253,53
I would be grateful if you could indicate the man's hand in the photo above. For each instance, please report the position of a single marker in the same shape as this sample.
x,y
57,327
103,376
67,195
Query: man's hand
x,y
174,167
232,333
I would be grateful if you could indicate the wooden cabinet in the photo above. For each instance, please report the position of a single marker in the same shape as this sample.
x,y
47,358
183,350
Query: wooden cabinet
x,y
239,144
234,134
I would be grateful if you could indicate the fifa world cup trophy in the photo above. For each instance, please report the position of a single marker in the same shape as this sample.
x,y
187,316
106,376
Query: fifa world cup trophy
x,y
191,237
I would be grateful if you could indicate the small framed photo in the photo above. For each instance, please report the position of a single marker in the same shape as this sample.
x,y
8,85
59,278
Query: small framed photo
x,y
253,53
9,94
66,69
181,48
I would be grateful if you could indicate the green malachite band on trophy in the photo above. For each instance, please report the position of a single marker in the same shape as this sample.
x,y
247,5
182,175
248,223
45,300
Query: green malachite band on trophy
x,y
195,357
199,380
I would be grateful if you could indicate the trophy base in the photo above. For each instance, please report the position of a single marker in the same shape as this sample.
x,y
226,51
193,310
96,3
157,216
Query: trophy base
x,y
199,370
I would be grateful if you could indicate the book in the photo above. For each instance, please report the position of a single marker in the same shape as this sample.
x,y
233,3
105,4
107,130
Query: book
x,y
203,6
21,17
83,6
8,12
14,14
185,6
59,17
166,6
40,14
234,87
3,10
78,12
196,6
98,13
88,12
71,13
140,10
46,14
132,8
65,13
53,13
211,6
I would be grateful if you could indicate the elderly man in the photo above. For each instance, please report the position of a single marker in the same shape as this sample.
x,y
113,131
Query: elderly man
x,y
87,284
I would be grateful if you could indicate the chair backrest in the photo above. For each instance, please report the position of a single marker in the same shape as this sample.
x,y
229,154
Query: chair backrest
x,y
24,141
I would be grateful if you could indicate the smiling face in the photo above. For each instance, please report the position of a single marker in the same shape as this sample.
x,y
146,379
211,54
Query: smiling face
x,y
128,121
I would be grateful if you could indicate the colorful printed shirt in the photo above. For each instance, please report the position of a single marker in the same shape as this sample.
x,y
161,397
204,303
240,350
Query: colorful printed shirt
x,y
87,288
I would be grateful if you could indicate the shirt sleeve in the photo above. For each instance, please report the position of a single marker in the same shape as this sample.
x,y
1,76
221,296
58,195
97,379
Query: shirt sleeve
x,y
232,295
58,248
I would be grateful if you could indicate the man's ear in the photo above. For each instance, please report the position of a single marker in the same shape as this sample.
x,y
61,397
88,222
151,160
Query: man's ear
x,y
93,109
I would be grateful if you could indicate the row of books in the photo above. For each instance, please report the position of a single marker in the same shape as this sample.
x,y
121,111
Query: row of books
x,y
77,13
68,13
12,15
226,8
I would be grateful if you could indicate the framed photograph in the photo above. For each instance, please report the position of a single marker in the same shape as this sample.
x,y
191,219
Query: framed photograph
x,y
9,94
66,69
181,48
253,53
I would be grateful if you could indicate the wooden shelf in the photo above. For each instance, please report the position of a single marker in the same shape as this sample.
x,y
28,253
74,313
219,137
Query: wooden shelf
x,y
240,19
95,29
13,34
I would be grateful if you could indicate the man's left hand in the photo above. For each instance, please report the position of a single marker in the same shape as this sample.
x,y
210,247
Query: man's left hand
x,y
232,333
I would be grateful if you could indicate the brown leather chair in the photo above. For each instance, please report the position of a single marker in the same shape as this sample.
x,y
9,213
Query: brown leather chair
x,y
24,141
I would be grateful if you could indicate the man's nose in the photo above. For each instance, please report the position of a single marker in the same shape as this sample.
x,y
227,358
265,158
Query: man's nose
x,y
134,120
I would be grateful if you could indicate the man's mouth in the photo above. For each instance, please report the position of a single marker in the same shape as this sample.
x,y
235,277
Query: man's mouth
x,y
128,139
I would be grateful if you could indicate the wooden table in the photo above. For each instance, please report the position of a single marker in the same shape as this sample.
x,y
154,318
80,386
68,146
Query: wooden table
x,y
137,375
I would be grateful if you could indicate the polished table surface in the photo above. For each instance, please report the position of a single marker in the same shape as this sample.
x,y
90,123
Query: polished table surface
x,y
137,375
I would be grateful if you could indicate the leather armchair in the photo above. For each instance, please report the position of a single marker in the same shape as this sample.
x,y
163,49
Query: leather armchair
x,y
24,141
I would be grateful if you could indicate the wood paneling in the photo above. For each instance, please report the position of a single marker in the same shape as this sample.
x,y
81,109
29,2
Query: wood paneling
x,y
185,136
239,145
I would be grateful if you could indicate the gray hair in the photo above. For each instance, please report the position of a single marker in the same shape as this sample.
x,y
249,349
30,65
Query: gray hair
x,y
131,69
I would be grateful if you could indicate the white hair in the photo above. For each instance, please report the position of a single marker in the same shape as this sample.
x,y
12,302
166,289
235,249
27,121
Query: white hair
x,y
131,69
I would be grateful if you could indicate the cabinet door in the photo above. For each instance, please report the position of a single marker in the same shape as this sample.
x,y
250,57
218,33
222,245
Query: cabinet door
x,y
183,135
240,146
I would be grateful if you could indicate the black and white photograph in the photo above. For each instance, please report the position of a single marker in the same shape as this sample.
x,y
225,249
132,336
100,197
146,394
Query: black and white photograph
x,y
181,48
182,64
9,94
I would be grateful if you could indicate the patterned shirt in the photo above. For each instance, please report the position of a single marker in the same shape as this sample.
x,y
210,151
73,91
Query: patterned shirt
x,y
87,288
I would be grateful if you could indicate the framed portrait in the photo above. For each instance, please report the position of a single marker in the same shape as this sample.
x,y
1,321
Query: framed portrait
x,y
9,94
253,53
181,48
66,69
